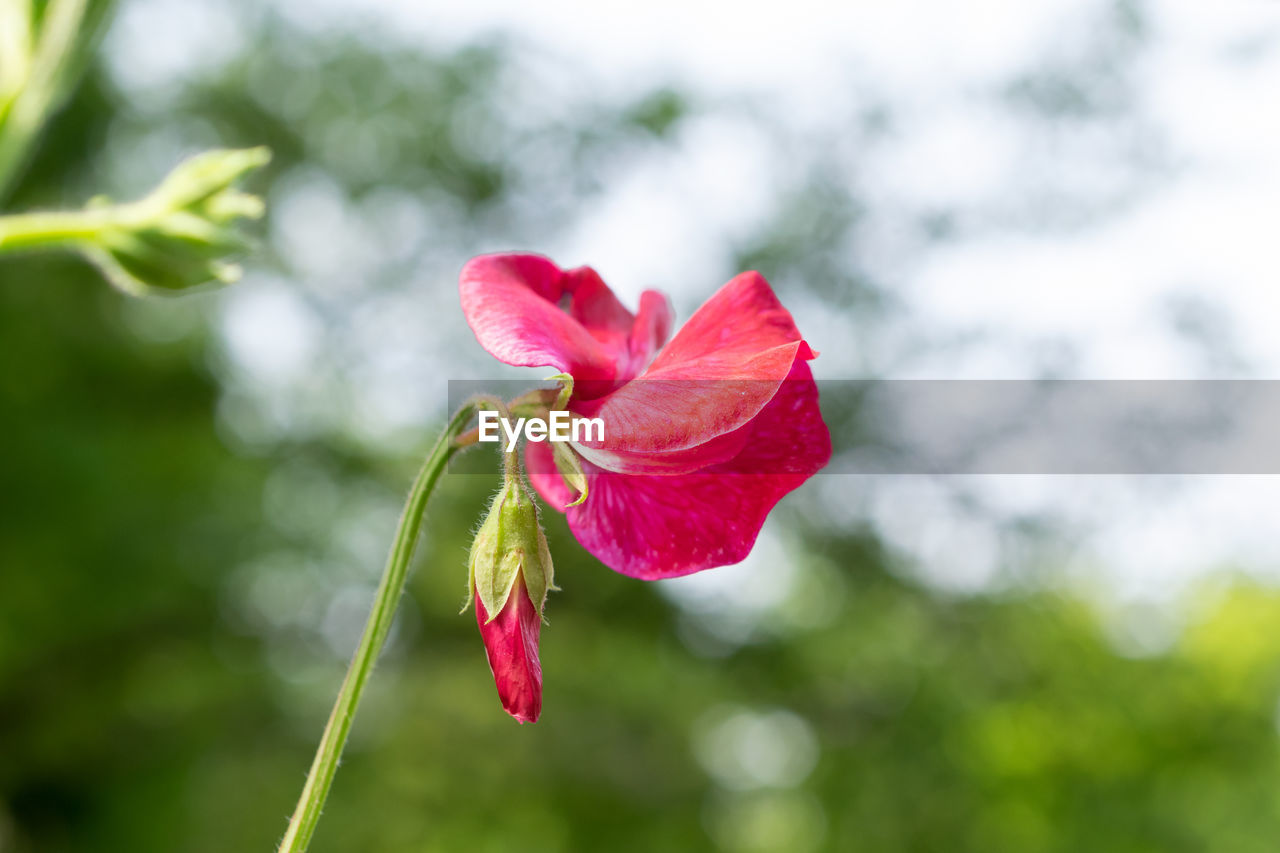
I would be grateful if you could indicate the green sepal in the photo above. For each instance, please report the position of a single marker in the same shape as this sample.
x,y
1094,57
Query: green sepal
x,y
203,182
567,462
484,550
566,389
570,468
510,547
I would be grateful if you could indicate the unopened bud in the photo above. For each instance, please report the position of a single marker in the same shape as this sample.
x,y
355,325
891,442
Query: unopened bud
x,y
180,234
511,572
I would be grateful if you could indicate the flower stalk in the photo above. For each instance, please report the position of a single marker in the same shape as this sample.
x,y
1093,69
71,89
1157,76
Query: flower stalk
x,y
319,779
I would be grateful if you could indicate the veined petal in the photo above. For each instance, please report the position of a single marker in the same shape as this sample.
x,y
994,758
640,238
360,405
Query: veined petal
x,y
722,448
586,298
511,644
511,304
718,372
741,321
651,330
526,311
653,527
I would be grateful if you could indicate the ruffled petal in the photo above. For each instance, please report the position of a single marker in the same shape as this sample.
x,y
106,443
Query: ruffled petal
x,y
512,303
653,527
740,322
718,372
526,311
511,643
586,298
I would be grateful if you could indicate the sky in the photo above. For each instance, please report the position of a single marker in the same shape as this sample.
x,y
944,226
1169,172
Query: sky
x,y
1162,219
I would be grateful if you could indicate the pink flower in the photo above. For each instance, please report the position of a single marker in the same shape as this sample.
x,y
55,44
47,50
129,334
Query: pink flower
x,y
704,433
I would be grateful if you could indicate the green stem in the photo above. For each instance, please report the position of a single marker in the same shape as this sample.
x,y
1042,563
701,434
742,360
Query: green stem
x,y
54,229
40,93
68,33
510,458
303,823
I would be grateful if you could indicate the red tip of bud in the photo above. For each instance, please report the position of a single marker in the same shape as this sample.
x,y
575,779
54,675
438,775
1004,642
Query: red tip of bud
x,y
511,643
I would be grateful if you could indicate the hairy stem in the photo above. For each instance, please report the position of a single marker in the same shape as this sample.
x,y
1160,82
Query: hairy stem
x,y
303,823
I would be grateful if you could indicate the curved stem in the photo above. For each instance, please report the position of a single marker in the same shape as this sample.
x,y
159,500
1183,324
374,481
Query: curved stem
x,y
303,823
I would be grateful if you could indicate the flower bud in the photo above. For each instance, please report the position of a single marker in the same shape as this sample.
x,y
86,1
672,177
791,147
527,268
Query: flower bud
x,y
181,233
511,573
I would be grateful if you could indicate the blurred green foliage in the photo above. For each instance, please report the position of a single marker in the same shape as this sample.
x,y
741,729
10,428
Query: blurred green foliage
x,y
175,606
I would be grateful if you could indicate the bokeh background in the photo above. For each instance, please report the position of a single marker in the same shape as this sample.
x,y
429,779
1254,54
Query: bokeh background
x,y
198,492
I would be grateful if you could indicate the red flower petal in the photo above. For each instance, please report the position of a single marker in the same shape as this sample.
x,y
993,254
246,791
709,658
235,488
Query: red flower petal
x,y
718,373
528,312
651,330
511,643
653,527
722,448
